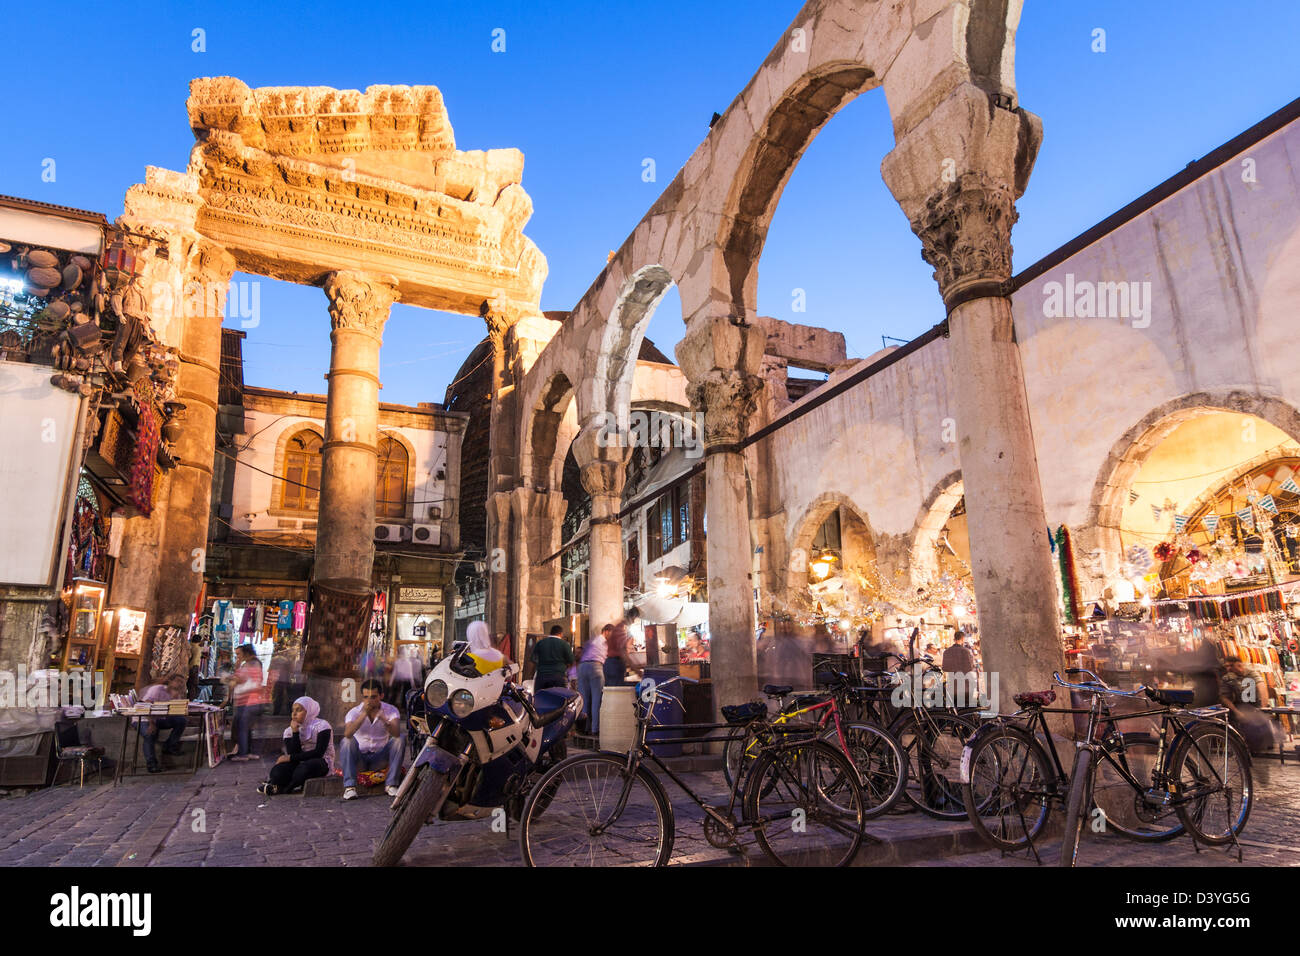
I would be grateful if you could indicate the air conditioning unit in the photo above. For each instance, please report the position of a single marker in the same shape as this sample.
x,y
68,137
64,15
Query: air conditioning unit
x,y
389,532
426,534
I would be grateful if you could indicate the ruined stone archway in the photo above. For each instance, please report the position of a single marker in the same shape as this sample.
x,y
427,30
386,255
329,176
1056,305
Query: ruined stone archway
x,y
856,535
938,507
787,131
621,341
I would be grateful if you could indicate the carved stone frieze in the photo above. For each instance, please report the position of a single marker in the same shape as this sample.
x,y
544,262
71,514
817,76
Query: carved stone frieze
x,y
299,180
728,399
360,302
965,232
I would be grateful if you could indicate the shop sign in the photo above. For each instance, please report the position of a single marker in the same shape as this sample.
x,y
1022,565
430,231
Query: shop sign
x,y
420,595
419,609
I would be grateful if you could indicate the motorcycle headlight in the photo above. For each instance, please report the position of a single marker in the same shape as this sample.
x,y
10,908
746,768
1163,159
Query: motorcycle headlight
x,y
437,693
462,703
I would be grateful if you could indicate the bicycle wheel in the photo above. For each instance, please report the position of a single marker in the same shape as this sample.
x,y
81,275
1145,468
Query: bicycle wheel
x,y
785,803
1215,773
1011,785
738,753
1076,807
1128,811
934,741
880,763
589,811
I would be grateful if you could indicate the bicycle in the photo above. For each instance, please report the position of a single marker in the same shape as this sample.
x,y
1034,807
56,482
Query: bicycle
x,y
933,737
1140,784
876,756
610,808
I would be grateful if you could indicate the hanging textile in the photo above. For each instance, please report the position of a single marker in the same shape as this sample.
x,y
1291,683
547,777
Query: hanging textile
x,y
170,655
140,487
87,544
337,630
1069,577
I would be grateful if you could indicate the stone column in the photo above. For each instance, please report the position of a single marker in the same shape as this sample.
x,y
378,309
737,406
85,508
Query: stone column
x,y
537,515
728,399
500,562
601,464
185,534
957,175
345,524
359,306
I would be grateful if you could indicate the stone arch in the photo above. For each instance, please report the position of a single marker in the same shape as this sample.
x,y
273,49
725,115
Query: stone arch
x,y
1289,452
935,511
621,337
807,525
794,121
1127,455
550,429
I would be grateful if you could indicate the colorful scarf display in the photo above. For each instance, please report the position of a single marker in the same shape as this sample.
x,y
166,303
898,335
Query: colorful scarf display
x,y
148,433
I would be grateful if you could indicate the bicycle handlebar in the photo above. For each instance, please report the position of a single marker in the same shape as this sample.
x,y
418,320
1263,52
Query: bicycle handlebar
x,y
1094,686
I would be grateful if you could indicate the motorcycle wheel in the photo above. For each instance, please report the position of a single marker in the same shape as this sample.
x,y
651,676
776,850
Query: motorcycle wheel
x,y
409,816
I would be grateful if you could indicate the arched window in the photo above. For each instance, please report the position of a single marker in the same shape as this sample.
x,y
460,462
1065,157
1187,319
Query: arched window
x,y
390,480
302,472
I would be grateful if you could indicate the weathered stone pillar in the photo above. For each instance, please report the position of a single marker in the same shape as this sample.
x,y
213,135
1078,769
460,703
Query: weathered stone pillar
x,y
602,468
537,517
345,524
185,533
501,567
359,307
727,399
957,175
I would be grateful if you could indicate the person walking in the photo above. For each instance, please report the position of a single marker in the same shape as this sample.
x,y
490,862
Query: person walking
x,y
250,699
616,654
553,657
591,678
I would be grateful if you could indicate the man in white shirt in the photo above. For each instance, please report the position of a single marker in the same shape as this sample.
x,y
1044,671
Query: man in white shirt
x,y
372,738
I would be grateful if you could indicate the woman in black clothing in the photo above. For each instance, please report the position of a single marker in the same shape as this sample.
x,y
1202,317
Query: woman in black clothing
x,y
308,750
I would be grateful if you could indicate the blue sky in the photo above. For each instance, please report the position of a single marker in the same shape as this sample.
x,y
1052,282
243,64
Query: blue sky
x,y
589,90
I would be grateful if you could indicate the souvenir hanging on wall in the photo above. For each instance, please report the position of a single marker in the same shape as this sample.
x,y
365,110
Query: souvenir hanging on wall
x,y
140,489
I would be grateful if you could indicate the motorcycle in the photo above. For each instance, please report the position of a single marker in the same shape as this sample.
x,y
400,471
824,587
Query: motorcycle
x,y
482,741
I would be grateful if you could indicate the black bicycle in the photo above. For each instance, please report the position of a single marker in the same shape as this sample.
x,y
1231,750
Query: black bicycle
x,y
610,809
1193,775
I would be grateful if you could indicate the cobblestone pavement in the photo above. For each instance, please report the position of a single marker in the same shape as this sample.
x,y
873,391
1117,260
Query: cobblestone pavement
x,y
216,818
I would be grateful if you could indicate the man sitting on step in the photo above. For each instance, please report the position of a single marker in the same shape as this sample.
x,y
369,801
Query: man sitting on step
x,y
372,739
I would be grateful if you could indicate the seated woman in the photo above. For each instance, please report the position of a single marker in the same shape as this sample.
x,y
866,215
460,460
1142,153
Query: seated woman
x,y
309,751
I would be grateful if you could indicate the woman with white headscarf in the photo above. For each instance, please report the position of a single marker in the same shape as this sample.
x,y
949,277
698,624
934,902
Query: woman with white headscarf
x,y
308,750
479,637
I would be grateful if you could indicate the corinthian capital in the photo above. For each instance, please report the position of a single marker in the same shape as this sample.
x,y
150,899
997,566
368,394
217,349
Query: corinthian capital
x,y
359,301
965,233
728,398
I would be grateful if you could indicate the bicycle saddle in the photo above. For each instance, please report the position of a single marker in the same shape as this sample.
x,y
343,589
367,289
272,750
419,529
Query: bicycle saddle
x,y
1171,698
744,713
1035,698
777,690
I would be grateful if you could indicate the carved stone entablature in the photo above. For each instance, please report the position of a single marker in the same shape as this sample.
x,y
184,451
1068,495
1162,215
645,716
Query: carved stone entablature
x,y
360,302
297,182
965,233
728,399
